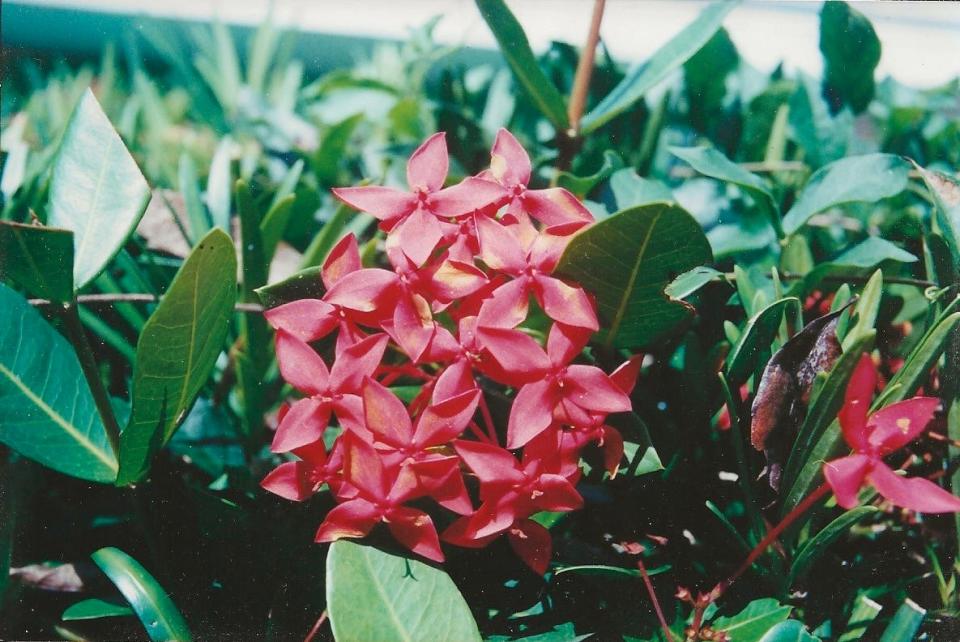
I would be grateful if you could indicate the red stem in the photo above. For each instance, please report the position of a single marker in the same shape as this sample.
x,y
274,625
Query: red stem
x,y
653,598
316,627
478,432
488,419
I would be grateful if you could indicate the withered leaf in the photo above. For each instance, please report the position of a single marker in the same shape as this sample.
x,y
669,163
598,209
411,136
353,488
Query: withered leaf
x,y
64,578
784,388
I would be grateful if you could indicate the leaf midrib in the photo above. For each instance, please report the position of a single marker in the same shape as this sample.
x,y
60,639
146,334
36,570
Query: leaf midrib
x,y
386,600
625,299
89,218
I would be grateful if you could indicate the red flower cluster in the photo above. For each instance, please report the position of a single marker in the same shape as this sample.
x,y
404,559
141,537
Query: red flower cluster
x,y
465,261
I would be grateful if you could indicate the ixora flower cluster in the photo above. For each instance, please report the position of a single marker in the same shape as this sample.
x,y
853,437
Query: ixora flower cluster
x,y
465,261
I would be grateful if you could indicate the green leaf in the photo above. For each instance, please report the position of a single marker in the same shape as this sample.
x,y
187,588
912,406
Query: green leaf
x,y
750,624
691,281
330,153
581,185
710,162
755,339
177,350
372,595
666,59
94,609
96,190
872,251
851,51
868,307
945,191
642,249
149,600
219,185
868,178
47,412
630,189
789,631
274,223
38,258
905,623
814,549
863,613
193,204
305,284
516,50
612,572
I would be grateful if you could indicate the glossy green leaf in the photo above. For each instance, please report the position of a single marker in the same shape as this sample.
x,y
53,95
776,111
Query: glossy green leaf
x,y
691,281
666,59
159,615
629,189
864,612
712,163
872,251
516,50
47,412
789,631
867,179
868,307
750,624
851,51
177,350
94,609
96,190
905,623
305,284
642,249
820,543
38,258
372,595
755,339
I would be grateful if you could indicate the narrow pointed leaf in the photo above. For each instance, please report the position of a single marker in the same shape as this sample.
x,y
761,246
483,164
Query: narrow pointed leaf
x,y
38,258
820,543
756,337
372,595
159,615
642,250
96,190
177,350
47,412
864,612
905,623
750,624
94,609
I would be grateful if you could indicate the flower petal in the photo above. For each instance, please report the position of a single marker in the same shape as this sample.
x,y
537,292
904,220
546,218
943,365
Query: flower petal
x,y
509,161
428,165
415,530
558,494
362,467
454,280
355,518
532,543
517,352
385,415
499,248
532,412
565,303
355,363
555,206
896,425
490,463
915,493
384,203
625,377
343,259
856,404
306,319
565,342
846,476
303,424
443,422
507,306
300,366
417,235
290,480
590,387
456,378
467,196
363,290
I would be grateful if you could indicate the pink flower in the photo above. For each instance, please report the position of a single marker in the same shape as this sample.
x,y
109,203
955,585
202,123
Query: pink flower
x,y
877,436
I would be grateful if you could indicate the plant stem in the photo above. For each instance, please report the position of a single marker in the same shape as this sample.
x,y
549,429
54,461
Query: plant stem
x,y
488,419
790,276
771,536
136,297
581,79
78,337
316,627
653,598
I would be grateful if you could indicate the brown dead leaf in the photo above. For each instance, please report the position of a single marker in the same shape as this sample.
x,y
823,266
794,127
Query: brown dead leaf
x,y
63,578
159,228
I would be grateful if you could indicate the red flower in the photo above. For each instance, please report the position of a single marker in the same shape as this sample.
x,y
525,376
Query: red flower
x,y
876,436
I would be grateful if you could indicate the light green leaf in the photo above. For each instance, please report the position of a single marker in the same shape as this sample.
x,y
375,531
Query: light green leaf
x,y
789,631
612,572
274,223
668,58
868,307
905,623
756,337
192,202
630,189
219,185
372,595
38,258
691,281
710,162
750,624
47,411
516,50
96,190
872,251
814,549
94,609
868,179
642,249
945,191
863,613
177,350
159,615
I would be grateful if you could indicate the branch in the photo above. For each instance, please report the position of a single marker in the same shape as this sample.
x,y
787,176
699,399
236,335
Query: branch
x,y
581,80
134,298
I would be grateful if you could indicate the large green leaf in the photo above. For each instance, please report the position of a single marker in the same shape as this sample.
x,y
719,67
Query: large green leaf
x,y
38,258
96,189
820,543
710,162
867,178
851,51
666,59
945,191
757,335
641,249
905,623
159,615
872,251
516,50
47,412
372,595
177,350
629,189
750,624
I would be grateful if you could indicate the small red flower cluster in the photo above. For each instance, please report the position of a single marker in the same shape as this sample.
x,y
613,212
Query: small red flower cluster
x,y
465,261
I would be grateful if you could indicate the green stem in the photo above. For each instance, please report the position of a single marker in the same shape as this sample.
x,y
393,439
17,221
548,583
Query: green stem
x,y
78,337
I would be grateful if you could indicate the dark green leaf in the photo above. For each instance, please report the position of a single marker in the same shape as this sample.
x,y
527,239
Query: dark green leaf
x,y
666,59
755,339
905,623
642,249
818,545
372,595
47,412
868,179
149,600
305,284
332,149
177,350
851,51
38,258
710,162
516,50
581,185
96,190
789,631
94,609
750,624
